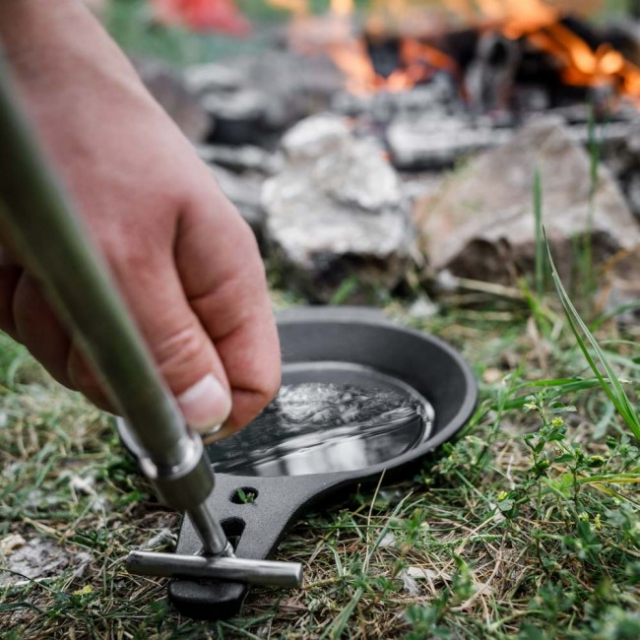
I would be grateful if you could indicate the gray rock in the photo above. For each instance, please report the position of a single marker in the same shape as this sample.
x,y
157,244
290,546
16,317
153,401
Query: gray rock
x,y
322,134
622,157
481,224
168,87
237,105
39,558
272,90
436,98
213,78
433,141
620,292
423,308
436,141
293,86
336,211
242,158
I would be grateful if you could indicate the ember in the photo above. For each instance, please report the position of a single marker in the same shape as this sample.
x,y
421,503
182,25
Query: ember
x,y
422,43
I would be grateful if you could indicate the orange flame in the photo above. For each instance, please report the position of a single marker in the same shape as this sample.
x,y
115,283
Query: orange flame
x,y
342,7
537,21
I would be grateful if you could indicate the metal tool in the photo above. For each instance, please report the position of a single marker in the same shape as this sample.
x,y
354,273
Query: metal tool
x,y
44,229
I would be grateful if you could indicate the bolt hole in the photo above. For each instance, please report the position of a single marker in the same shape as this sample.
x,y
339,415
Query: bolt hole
x,y
233,529
244,495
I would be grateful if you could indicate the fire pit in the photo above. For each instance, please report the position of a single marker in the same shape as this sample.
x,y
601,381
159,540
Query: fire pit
x,y
330,140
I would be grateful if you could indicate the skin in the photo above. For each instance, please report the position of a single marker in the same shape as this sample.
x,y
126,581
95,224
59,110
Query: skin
x,y
186,263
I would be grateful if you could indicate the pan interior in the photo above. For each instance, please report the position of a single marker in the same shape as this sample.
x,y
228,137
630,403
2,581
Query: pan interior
x,y
328,417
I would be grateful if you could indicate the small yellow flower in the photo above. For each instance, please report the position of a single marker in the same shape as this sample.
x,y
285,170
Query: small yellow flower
x,y
557,422
85,591
502,496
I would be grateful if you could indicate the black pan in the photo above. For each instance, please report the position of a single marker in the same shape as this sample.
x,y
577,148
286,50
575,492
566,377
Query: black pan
x,y
335,346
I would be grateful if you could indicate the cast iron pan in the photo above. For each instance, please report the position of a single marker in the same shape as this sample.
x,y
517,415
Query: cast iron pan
x,y
340,346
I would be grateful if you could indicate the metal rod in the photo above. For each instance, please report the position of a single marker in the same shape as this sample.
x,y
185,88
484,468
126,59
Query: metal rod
x,y
171,565
210,531
40,222
42,225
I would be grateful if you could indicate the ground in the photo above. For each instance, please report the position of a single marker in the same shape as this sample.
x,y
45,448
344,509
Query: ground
x,y
526,526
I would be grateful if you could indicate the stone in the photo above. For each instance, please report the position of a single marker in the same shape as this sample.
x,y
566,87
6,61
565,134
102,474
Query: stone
x,y
213,78
238,105
481,224
319,135
242,158
437,97
37,558
168,87
437,141
423,308
253,97
432,141
336,211
620,293
622,157
293,86
239,116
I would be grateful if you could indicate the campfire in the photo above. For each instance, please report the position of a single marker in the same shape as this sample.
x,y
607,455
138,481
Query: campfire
x,y
399,45
334,139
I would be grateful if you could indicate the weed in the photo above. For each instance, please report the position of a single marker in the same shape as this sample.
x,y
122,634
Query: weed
x,y
608,380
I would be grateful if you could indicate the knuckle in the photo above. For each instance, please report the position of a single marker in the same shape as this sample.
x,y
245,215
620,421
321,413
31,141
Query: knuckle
x,y
177,349
271,383
264,389
81,377
132,252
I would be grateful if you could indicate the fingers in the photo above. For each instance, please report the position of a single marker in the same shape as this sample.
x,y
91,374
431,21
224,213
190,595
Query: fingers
x,y
38,328
9,278
197,290
175,336
10,273
83,379
223,276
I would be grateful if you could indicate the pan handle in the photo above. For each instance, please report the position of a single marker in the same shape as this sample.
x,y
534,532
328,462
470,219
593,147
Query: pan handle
x,y
255,513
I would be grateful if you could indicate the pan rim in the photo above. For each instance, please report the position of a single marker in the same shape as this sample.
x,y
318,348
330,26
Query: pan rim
x,y
375,319
364,316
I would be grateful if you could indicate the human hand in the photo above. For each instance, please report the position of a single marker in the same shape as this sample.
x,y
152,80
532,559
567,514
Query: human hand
x,y
186,263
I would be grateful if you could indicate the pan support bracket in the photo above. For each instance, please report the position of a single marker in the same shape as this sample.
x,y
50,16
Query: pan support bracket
x,y
254,512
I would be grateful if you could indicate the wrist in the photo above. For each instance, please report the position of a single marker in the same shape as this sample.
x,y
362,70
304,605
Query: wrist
x,y
58,38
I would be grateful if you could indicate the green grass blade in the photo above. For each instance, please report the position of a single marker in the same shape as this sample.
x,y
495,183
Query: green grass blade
x,y
609,380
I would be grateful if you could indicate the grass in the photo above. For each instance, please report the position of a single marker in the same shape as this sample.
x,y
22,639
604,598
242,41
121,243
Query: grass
x,y
526,526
